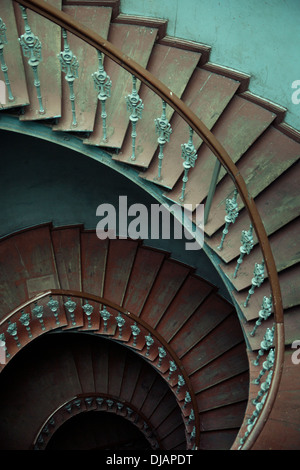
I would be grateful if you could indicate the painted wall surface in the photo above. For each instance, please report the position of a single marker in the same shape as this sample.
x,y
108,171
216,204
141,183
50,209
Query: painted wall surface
x,y
258,37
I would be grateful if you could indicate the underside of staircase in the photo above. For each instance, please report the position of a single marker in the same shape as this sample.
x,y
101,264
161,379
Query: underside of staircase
x,y
76,376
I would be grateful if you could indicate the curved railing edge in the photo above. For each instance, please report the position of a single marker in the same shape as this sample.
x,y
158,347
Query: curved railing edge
x,y
99,43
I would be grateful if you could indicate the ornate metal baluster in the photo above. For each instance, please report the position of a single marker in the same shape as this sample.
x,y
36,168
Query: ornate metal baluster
x,y
264,313
187,399
172,369
88,401
266,366
149,342
180,383
71,306
120,322
54,305
164,130
38,312
99,401
88,309
69,65
135,108
161,354
257,280
263,388
25,320
109,403
106,316
32,48
191,416
12,330
265,344
231,215
247,245
2,338
4,68
189,155
102,84
135,331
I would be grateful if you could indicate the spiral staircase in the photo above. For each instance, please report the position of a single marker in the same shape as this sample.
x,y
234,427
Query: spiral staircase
x,y
121,328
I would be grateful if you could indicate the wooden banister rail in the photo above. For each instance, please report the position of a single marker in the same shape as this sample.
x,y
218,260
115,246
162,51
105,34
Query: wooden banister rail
x,y
99,43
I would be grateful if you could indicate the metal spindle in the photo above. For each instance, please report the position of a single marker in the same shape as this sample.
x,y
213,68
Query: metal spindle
x,y
266,366
2,338
187,399
264,313
31,47
53,305
12,330
172,369
38,312
135,108
102,84
161,354
180,383
263,388
25,320
257,280
246,247
106,316
4,68
164,130
191,416
149,342
231,214
135,331
71,306
88,309
120,322
265,345
189,155
69,65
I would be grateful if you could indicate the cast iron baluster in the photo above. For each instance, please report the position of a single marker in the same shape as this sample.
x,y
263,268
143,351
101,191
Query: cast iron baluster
x,y
69,65
110,403
149,342
12,330
88,401
71,306
102,84
120,323
31,47
135,331
88,309
77,403
266,366
120,406
247,245
264,313
68,407
2,338
263,388
161,353
231,214
172,369
135,108
38,312
180,383
191,416
187,399
4,68
266,343
53,305
99,401
189,155
257,280
106,316
25,320
163,129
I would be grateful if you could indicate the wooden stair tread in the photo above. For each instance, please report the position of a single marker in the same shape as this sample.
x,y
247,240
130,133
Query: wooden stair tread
x,y
48,69
286,251
13,59
223,418
93,262
239,127
66,245
135,42
207,94
278,205
164,63
260,166
97,19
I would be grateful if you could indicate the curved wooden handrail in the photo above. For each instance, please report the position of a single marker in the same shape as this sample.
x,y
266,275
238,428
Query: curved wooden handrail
x,y
101,300
101,44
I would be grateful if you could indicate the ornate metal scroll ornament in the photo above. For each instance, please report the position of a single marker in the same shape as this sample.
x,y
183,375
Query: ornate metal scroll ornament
x,y
164,130
257,279
246,247
134,107
231,214
102,84
189,155
4,68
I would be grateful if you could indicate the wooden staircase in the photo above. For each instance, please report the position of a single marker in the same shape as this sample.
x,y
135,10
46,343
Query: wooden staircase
x,y
185,309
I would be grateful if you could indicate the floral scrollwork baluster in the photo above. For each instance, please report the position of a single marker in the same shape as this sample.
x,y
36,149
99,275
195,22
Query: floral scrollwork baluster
x,y
135,332
102,84
149,342
257,280
38,312
69,65
161,354
54,305
231,214
71,306
172,369
263,314
4,68
106,316
88,310
12,330
25,320
189,156
164,130
32,48
180,383
265,344
3,345
135,107
120,322
246,247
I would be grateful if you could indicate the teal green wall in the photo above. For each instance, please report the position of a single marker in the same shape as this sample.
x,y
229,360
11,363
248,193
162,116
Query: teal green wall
x,y
258,37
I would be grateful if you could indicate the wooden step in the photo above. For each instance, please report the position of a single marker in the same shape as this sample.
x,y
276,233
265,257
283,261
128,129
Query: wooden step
x,y
13,59
164,64
97,19
278,205
237,129
135,42
66,245
93,262
48,69
260,166
207,94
